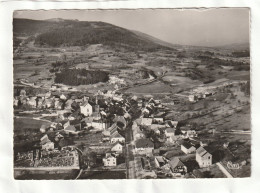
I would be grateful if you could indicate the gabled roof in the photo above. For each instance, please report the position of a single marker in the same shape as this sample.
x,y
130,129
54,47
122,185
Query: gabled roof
x,y
175,162
159,159
187,145
44,140
116,143
116,135
85,103
144,143
170,130
87,119
202,151
146,121
70,128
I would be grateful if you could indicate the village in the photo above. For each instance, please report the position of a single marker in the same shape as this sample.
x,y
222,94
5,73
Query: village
x,y
110,131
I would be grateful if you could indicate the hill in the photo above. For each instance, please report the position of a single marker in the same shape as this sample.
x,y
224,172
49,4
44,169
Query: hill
x,y
59,32
156,40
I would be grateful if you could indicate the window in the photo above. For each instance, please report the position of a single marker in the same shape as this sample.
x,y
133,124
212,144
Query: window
x,y
209,157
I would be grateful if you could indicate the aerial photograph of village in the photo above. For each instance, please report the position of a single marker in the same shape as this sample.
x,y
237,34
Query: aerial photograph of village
x,y
131,94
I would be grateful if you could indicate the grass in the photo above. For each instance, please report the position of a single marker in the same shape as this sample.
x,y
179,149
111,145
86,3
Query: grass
x,y
153,88
28,123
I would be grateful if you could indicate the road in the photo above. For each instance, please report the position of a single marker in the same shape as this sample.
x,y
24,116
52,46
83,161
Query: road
x,y
223,169
129,157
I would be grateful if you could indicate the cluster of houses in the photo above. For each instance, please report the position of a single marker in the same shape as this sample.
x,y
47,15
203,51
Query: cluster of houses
x,y
183,137
199,96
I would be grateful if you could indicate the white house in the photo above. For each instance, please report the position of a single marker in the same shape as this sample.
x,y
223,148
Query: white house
x,y
192,98
146,121
203,157
187,148
109,160
144,146
46,143
86,109
117,147
97,125
48,146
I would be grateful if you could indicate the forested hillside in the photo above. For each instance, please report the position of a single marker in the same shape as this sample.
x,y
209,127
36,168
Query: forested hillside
x,y
80,33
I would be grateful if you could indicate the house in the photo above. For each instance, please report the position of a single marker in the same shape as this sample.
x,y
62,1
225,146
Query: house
x,y
58,104
86,109
144,146
43,128
110,130
39,102
159,161
173,124
117,147
71,129
189,133
48,146
158,119
192,98
120,119
116,137
174,138
187,148
137,133
146,121
46,143
63,97
99,125
109,160
156,127
48,103
169,132
68,104
178,169
32,102
203,157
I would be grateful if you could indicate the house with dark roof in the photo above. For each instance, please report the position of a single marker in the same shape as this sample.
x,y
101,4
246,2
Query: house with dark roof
x,y
187,148
203,157
116,137
159,161
144,146
178,168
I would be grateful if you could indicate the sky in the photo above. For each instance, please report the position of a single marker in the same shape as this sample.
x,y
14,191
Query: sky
x,y
203,27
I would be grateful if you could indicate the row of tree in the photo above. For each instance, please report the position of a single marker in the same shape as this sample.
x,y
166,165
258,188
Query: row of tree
x,y
75,77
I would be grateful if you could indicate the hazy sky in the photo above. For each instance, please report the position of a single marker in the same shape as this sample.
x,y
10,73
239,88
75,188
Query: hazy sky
x,y
204,27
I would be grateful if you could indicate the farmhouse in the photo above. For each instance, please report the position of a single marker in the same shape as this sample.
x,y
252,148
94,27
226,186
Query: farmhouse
x,y
144,146
109,160
203,157
187,148
177,167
